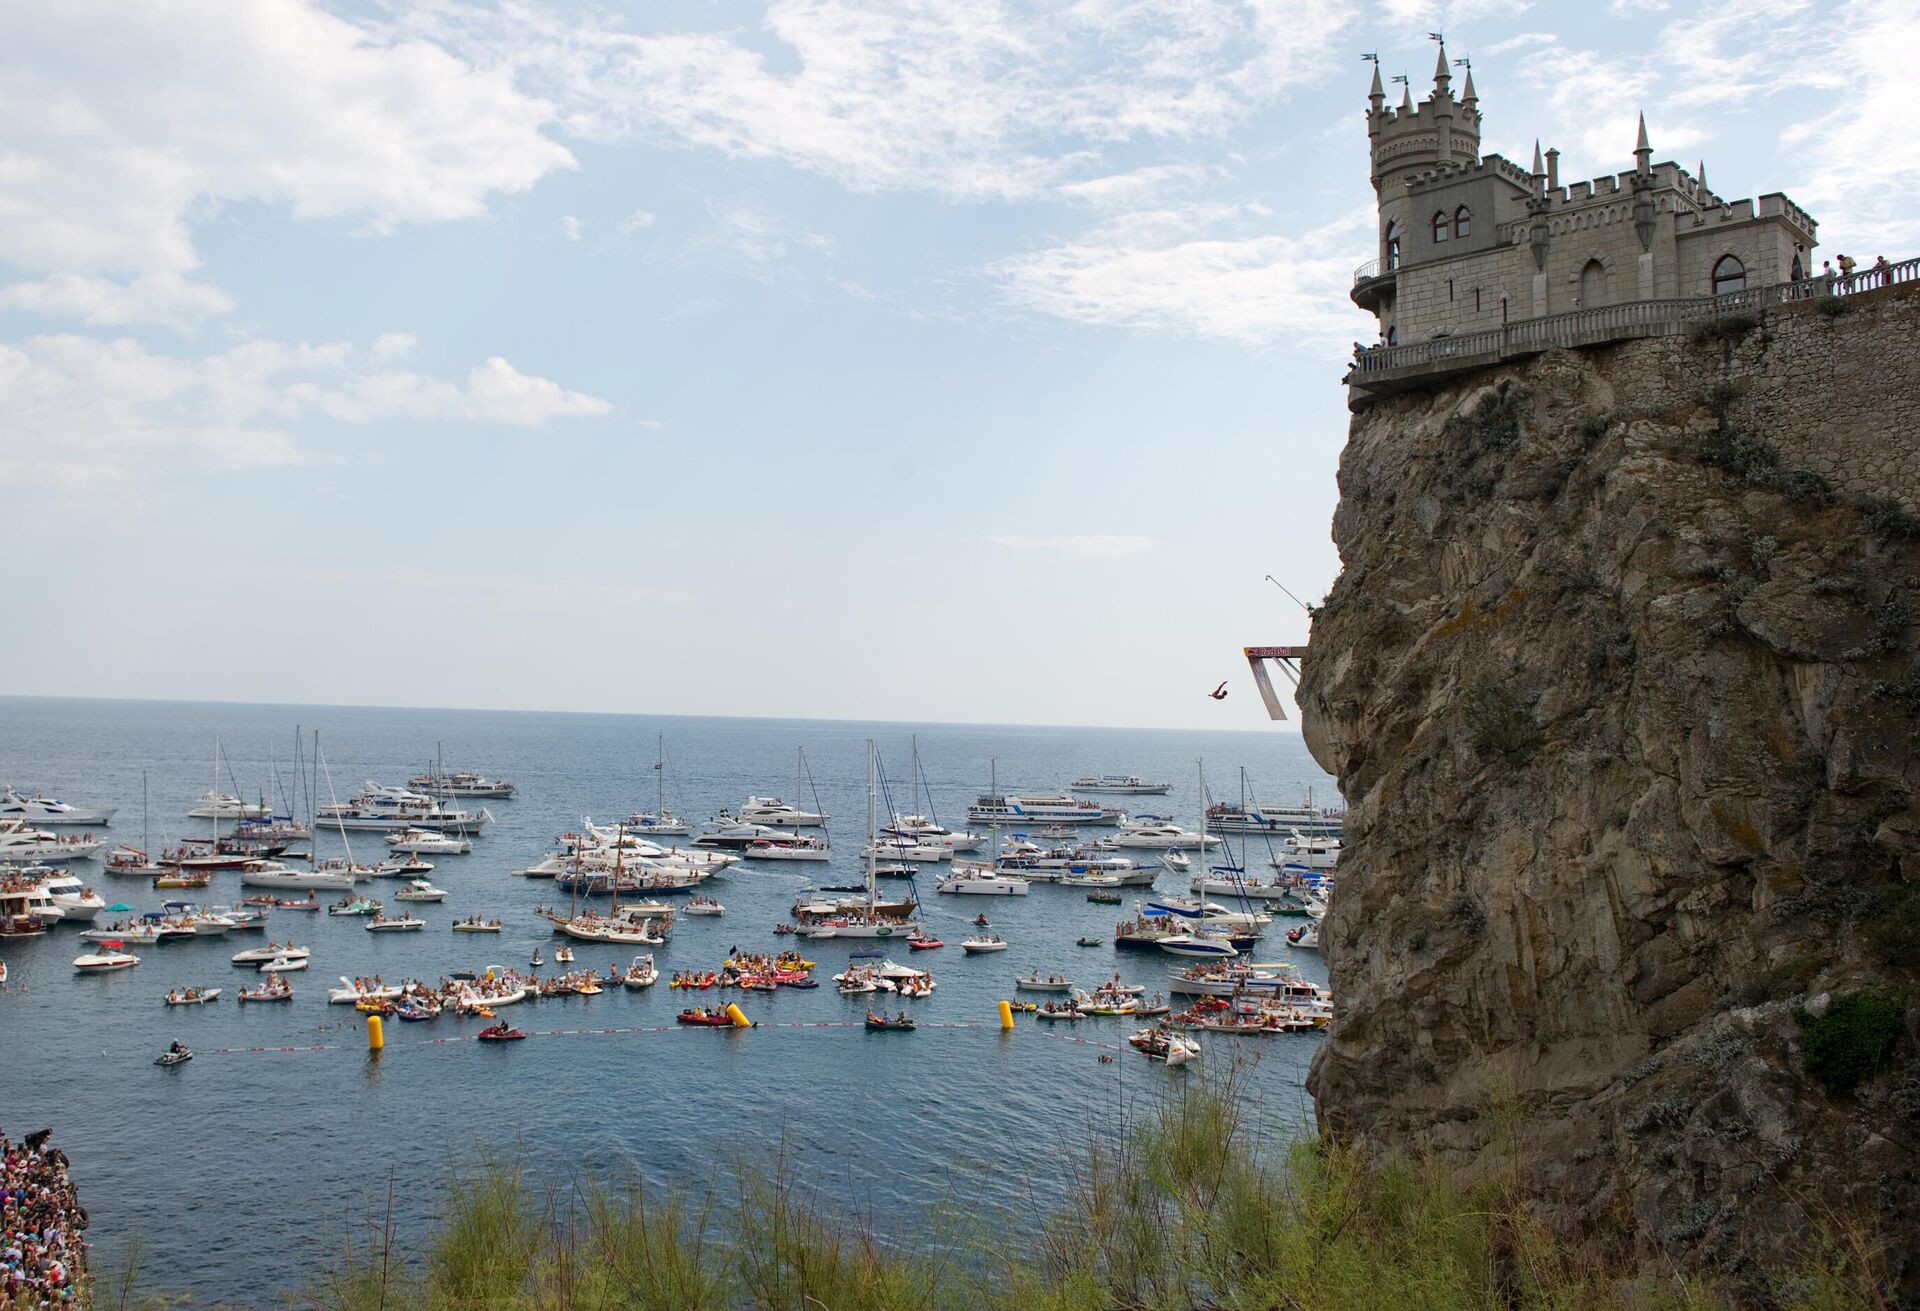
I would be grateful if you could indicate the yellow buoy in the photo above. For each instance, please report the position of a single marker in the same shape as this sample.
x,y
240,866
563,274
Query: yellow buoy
x,y
740,1021
1006,1016
376,1037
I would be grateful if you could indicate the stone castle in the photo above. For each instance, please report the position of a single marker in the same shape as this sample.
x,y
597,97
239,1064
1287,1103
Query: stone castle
x,y
1470,242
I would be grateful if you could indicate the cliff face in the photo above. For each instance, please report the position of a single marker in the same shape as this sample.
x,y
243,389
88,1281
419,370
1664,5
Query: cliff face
x,y
1622,684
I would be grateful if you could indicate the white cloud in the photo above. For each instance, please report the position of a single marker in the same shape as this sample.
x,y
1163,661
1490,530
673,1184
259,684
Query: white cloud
x,y
570,227
975,99
640,218
125,122
1090,546
166,299
751,235
78,412
1196,270
394,345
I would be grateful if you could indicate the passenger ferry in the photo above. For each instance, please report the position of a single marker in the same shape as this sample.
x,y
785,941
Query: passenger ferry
x,y
994,808
1124,784
1305,819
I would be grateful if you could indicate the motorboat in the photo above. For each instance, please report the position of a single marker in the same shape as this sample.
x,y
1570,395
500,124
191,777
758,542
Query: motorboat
x,y
908,849
901,1023
792,848
657,823
929,832
1162,1043
380,922
1002,809
270,952
1052,983
1307,853
642,931
501,1032
1057,1011
429,842
174,1055
775,813
77,903
1306,937
1155,833
477,925
219,805
390,809
328,876
274,989
1291,896
133,863
352,992
1123,784
22,844
983,883
728,833
420,890
699,905
354,906
1204,946
105,962
192,996
704,1018
924,944
641,973
983,943
407,867
1230,817
463,783
285,965
48,812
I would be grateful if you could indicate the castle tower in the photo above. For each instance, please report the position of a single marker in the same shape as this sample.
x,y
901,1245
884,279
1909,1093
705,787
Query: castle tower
x,y
1411,142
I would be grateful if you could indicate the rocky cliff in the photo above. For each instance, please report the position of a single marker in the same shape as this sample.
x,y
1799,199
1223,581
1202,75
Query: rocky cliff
x,y
1622,683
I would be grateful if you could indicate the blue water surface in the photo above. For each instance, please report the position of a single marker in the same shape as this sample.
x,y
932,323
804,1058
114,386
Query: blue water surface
x,y
242,1172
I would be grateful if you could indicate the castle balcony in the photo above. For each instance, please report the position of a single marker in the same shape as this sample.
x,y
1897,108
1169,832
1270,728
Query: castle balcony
x,y
1385,370
1371,286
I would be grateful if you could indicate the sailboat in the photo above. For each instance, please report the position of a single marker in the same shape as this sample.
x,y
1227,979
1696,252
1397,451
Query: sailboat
x,y
835,919
136,861
641,926
659,822
925,829
332,874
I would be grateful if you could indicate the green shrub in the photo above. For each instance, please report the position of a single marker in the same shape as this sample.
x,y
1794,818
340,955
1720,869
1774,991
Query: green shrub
x,y
1492,425
1845,1046
1889,520
1499,723
1728,328
1832,307
1757,461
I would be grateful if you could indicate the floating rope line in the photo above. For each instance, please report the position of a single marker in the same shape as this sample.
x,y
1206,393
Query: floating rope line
x,y
449,1039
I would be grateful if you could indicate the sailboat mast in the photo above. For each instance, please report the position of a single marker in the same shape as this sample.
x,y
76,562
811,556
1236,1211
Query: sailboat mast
x,y
146,847
660,777
873,831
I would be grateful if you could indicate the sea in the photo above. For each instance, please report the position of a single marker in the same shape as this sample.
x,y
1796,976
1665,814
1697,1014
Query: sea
x,y
241,1174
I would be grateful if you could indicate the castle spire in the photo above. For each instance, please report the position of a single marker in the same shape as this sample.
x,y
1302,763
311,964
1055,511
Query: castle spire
x,y
1539,172
1442,79
1406,96
1642,152
1703,177
1469,97
1378,93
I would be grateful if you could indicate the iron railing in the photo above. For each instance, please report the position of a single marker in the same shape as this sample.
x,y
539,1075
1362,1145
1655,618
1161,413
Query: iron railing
x,y
1639,318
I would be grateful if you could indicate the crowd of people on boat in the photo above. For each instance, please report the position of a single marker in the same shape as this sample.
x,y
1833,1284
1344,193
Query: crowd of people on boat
x,y
42,1256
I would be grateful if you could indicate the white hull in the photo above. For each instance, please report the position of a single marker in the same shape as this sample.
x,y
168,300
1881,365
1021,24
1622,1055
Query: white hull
x,y
986,887
982,948
44,812
912,929
297,879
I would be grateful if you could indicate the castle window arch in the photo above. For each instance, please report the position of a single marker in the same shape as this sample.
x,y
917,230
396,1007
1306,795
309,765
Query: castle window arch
x,y
1729,275
1462,223
1440,227
1393,246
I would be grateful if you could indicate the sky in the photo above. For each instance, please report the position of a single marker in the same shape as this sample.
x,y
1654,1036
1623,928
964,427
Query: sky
x,y
952,360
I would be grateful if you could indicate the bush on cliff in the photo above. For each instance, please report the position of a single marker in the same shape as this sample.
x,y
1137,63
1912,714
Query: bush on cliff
x,y
1499,723
1845,1046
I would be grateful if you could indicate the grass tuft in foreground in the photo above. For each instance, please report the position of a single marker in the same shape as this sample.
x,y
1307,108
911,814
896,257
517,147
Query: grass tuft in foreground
x,y
1188,1210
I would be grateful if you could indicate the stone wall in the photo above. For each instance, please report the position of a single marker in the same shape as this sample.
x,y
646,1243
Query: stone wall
x,y
1622,683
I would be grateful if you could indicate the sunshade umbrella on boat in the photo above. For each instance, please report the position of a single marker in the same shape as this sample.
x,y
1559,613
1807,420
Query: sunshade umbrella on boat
x,y
117,907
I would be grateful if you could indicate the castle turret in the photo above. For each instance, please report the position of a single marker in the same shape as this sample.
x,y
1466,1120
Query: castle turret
x,y
1643,152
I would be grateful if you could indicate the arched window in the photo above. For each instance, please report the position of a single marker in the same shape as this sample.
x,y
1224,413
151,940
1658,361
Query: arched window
x,y
1393,336
1729,275
1462,222
1393,246
1593,285
1439,228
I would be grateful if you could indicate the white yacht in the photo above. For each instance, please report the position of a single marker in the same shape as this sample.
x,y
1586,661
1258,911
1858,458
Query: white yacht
x,y
983,883
1154,833
428,842
77,903
909,849
420,890
1301,852
21,844
927,832
728,833
775,813
996,808
49,811
793,848
657,823
1123,784
325,877
390,809
1227,817
219,805
26,911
